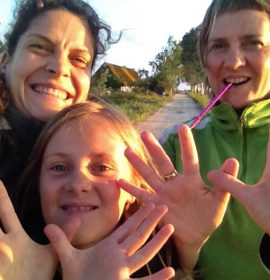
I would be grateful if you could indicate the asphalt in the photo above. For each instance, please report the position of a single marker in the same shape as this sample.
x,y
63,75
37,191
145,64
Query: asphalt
x,y
180,109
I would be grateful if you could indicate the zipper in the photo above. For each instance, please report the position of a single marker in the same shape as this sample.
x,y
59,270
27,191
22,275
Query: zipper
x,y
244,151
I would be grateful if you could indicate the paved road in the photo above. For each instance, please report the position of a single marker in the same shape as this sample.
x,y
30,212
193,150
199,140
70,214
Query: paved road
x,y
182,108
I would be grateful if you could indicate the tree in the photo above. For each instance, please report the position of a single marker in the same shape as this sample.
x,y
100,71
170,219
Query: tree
x,y
143,73
1,46
166,68
192,70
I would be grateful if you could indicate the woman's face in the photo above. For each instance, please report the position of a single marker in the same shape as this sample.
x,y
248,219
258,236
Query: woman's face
x,y
238,51
51,66
78,173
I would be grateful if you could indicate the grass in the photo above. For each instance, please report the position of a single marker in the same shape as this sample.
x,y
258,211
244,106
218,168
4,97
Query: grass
x,y
201,99
137,105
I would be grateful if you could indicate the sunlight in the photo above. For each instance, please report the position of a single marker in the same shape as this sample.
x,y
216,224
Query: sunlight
x,y
6,252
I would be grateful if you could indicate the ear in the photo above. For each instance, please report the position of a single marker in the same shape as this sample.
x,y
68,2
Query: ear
x,y
4,59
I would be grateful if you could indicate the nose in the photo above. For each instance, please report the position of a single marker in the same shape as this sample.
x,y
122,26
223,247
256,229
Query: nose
x,y
234,59
78,183
58,65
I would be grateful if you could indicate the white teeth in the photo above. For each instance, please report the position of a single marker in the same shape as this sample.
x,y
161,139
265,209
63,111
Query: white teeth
x,y
236,80
78,208
51,91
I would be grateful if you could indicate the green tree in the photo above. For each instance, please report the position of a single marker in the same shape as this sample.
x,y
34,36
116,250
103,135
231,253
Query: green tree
x,y
102,81
1,46
192,70
143,73
166,68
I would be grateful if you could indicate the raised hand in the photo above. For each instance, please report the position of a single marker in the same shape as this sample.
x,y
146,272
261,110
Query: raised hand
x,y
194,209
255,198
120,254
20,256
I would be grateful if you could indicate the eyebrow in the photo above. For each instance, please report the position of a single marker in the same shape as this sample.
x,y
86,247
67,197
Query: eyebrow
x,y
99,156
44,38
245,37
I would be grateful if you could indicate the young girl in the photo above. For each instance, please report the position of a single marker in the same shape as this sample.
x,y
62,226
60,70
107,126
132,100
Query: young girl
x,y
74,167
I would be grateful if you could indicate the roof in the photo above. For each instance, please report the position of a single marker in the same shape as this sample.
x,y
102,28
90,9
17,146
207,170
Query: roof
x,y
127,76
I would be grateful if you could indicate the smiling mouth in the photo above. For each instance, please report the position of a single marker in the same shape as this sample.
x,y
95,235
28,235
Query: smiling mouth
x,y
58,93
236,81
78,209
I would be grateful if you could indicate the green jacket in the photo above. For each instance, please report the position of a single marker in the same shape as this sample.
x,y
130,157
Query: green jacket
x,y
232,251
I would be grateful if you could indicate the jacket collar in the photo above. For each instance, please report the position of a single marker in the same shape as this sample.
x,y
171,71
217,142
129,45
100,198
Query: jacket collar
x,y
255,115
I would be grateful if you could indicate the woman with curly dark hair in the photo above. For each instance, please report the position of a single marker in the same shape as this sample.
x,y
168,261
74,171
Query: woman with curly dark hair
x,y
49,54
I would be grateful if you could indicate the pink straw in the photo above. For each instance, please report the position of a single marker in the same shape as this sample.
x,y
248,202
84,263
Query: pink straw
x,y
210,105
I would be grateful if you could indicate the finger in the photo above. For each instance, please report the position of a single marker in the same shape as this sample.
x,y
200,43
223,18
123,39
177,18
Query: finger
x,y
59,242
8,215
132,223
137,238
189,151
139,193
230,166
227,182
143,169
164,274
161,159
71,227
146,253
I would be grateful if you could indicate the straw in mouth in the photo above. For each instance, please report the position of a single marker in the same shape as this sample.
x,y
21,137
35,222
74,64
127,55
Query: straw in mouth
x,y
222,91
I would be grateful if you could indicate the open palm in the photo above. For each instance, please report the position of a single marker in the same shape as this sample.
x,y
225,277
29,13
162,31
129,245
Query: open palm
x,y
194,209
21,257
120,254
255,198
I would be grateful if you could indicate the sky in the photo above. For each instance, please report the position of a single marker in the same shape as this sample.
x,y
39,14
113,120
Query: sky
x,y
147,25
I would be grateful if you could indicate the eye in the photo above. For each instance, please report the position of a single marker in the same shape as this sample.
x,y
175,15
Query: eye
x,y
39,48
217,46
80,61
59,168
100,169
254,44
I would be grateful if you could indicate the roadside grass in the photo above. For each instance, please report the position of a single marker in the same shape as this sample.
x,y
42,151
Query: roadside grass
x,y
137,105
201,99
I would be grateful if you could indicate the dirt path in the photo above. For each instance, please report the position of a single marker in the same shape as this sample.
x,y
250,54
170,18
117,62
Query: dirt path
x,y
182,108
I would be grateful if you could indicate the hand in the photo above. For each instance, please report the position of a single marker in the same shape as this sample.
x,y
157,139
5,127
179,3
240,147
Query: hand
x,y
20,256
119,255
255,198
195,210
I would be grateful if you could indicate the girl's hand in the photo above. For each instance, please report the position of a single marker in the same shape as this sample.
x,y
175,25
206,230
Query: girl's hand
x,y
20,256
120,254
195,210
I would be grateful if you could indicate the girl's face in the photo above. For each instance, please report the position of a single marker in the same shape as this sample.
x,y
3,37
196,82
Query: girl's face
x,y
79,167
51,66
238,51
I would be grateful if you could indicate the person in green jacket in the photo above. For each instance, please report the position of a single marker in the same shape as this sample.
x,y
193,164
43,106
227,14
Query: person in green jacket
x,y
214,234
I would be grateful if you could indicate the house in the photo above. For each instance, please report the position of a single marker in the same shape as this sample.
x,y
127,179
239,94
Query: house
x,y
118,76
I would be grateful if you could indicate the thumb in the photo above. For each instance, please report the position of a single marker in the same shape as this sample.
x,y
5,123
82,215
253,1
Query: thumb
x,y
225,178
59,242
230,166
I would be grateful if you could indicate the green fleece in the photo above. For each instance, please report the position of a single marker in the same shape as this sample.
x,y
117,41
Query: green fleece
x,y
232,251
